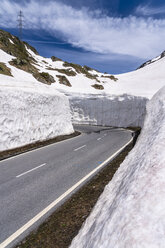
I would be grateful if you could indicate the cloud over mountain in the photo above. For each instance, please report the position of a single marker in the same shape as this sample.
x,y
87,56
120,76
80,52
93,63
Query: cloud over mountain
x,y
91,30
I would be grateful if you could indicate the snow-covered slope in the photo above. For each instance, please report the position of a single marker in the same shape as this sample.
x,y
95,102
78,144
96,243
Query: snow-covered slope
x,y
144,82
162,55
94,97
131,211
73,78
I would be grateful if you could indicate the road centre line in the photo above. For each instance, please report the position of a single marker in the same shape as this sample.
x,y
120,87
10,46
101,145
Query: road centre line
x,y
79,148
54,203
26,172
101,137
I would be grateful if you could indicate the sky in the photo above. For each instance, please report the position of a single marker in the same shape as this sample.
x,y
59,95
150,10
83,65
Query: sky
x,y
113,36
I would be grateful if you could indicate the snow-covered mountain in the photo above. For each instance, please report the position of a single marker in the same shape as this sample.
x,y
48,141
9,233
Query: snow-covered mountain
x,y
62,75
94,97
72,78
162,55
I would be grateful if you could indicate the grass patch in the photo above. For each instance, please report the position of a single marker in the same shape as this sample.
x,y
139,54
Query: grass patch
x,y
68,72
64,80
23,60
30,147
78,68
112,77
17,48
63,225
44,77
5,70
91,76
54,59
44,62
24,64
87,68
98,86
81,69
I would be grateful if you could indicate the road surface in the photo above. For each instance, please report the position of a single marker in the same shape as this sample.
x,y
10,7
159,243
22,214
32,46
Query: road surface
x,y
34,184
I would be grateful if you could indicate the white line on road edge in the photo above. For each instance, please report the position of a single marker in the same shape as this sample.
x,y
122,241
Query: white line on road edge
x,y
79,148
53,204
26,172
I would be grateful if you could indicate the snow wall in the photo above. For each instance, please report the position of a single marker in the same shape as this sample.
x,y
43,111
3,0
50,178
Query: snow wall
x,y
27,116
131,211
106,110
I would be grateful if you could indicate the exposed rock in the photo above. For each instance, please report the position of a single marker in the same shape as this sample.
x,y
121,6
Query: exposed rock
x,y
68,72
54,59
44,77
5,70
98,86
112,77
64,80
152,60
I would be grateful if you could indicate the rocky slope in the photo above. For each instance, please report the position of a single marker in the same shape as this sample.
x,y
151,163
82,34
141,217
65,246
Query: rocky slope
x,y
162,55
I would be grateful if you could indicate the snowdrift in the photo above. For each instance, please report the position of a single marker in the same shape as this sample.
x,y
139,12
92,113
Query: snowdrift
x,y
131,211
108,110
31,114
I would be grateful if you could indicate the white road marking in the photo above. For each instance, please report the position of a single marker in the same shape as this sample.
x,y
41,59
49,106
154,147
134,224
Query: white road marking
x,y
53,204
26,172
99,138
36,149
79,148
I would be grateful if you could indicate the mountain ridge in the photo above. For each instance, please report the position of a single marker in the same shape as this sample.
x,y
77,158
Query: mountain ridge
x,y
25,59
162,55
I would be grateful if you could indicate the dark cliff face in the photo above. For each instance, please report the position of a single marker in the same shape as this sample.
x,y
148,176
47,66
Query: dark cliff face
x,y
152,60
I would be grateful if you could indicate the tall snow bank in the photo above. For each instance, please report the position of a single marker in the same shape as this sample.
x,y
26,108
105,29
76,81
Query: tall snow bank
x,y
106,110
131,211
30,114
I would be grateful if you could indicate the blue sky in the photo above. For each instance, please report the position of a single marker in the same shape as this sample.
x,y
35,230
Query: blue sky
x,y
112,36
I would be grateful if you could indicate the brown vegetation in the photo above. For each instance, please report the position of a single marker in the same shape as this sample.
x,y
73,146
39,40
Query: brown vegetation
x,y
98,86
5,70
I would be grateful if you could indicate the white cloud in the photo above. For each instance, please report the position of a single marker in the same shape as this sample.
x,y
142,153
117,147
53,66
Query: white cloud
x,y
147,10
90,30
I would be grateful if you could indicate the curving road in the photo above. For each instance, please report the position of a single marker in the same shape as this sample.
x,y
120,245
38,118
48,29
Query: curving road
x,y
34,184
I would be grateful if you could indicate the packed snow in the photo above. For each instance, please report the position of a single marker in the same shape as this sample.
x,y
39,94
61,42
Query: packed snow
x,y
108,110
29,110
131,211
30,116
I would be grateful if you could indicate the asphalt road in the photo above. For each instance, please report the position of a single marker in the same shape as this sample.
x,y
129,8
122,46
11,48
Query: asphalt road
x,y
30,182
